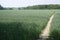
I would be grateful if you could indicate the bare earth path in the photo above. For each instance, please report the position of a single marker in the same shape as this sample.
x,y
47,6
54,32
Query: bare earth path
x,y
45,33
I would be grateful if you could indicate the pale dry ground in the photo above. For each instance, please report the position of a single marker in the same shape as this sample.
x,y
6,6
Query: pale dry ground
x,y
45,33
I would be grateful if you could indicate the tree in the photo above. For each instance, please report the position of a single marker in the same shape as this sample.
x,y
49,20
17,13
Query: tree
x,y
1,7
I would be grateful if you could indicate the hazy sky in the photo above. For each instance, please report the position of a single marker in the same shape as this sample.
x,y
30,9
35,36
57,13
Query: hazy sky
x,y
24,3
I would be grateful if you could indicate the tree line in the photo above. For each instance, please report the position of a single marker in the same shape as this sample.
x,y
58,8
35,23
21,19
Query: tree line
x,y
44,7
51,6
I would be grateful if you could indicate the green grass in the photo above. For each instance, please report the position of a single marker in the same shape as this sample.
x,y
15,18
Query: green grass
x,y
55,27
22,24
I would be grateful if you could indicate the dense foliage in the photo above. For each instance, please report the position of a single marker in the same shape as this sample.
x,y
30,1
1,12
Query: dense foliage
x,y
51,6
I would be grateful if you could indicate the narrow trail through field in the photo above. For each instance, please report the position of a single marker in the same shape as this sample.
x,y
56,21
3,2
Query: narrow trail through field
x,y
45,33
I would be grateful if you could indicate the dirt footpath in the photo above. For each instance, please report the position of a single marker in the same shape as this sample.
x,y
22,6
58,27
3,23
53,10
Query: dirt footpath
x,y
45,33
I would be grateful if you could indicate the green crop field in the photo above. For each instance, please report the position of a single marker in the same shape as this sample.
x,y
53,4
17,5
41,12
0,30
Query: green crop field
x,y
23,24
55,27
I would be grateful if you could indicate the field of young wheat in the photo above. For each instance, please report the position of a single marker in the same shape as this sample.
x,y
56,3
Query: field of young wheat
x,y
23,24
55,27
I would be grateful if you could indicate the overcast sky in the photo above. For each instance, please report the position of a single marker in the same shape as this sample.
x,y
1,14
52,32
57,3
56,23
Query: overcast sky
x,y
24,3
